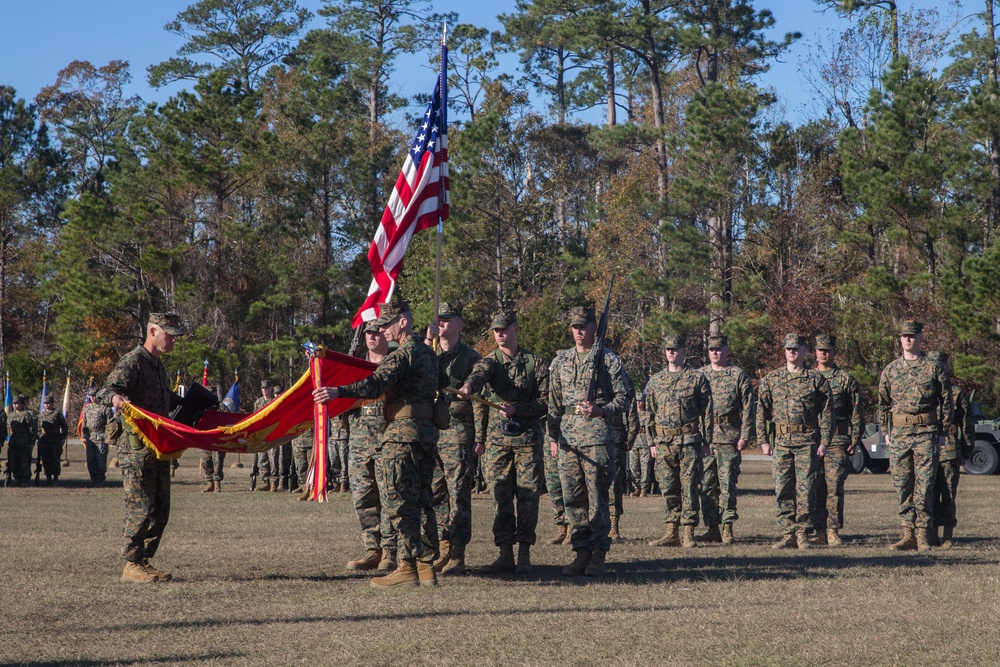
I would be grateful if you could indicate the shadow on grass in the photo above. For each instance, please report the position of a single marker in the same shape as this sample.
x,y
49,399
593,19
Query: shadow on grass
x,y
163,660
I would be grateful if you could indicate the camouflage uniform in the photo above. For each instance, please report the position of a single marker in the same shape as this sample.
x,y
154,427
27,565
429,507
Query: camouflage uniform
x,y
142,379
626,431
801,409
338,453
848,429
213,463
262,460
367,477
679,406
734,404
408,376
915,407
452,485
586,446
640,461
514,463
23,425
95,421
3,434
957,446
52,432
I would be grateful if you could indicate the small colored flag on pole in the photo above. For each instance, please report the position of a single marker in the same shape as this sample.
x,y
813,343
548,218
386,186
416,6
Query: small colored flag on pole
x,y
8,398
45,387
65,405
231,402
204,376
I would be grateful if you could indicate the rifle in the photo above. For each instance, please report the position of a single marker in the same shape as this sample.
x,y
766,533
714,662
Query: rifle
x,y
254,472
6,468
38,466
602,330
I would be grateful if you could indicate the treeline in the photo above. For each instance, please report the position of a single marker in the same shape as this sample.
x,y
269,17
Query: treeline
x,y
247,201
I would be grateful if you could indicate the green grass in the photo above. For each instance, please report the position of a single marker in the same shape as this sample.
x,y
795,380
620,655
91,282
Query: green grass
x,y
260,580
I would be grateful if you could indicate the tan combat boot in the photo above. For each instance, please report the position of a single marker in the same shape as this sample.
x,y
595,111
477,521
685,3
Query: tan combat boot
x,y
643,493
946,539
369,561
159,574
304,496
820,540
218,486
136,572
579,564
802,540
833,537
388,562
615,534
405,575
907,543
711,535
444,547
426,575
727,533
276,487
923,540
456,563
595,568
669,539
266,487
787,541
687,537
562,536
209,487
523,559
505,561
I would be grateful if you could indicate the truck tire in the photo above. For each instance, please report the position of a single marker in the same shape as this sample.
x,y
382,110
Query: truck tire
x,y
878,466
858,461
984,459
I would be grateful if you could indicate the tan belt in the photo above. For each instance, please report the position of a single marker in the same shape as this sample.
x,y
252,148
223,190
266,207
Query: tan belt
x,y
953,429
923,419
842,428
728,418
411,410
687,429
571,410
785,429
371,411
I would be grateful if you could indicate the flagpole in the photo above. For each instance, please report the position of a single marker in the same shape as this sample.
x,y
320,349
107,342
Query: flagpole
x,y
440,225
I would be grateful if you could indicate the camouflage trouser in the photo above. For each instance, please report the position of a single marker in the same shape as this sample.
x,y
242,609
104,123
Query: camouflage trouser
x,y
914,461
97,459
262,460
641,464
146,483
554,486
795,470
515,473
409,469
368,489
19,458
281,464
586,474
831,475
619,482
452,489
50,454
719,477
338,461
679,469
212,465
945,490
301,457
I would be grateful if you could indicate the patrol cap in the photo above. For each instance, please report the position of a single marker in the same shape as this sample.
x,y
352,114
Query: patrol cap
x,y
21,398
390,311
719,341
371,327
581,316
793,340
169,322
446,311
266,384
826,342
673,342
49,398
911,328
503,319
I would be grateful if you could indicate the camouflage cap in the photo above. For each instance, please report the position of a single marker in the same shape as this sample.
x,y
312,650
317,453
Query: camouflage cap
x,y
371,327
266,384
21,398
716,342
390,311
503,319
169,322
911,328
673,342
49,398
793,340
826,342
446,310
581,316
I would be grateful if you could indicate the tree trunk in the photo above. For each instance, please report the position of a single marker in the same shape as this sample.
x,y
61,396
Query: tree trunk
x,y
612,107
662,184
993,215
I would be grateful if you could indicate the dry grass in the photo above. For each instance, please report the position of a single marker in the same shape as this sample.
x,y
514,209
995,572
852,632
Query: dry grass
x,y
260,580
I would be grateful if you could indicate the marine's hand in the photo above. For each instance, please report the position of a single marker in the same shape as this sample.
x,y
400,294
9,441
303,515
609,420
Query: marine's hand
x,y
554,447
479,449
591,411
888,441
324,394
508,411
705,450
821,451
118,401
740,444
766,448
433,330
464,392
851,449
652,451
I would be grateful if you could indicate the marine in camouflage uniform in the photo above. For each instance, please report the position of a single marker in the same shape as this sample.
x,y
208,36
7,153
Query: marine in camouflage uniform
x,y
679,405
141,379
639,458
915,410
956,450
367,476
585,435
3,441
95,422
213,463
519,381
410,378
848,429
338,455
262,460
734,403
797,402
453,476
626,432
52,432
22,424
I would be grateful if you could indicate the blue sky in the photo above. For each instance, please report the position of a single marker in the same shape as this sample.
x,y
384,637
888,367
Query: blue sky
x,y
43,36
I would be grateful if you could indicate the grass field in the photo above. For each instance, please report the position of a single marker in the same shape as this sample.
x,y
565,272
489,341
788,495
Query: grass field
x,y
260,580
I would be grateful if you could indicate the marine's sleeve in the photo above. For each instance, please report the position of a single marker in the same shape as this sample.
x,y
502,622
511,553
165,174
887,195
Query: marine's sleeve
x,y
946,406
651,410
120,380
885,402
483,371
826,410
538,405
391,369
748,402
3,425
857,410
968,424
63,426
555,412
764,406
619,402
706,408
633,426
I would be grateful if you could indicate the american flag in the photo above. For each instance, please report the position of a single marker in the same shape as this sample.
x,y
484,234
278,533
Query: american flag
x,y
419,200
